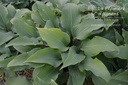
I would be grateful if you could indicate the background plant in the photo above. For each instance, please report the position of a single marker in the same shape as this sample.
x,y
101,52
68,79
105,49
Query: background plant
x,y
64,42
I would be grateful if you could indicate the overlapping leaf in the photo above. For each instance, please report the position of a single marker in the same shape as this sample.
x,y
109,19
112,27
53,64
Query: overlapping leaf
x,y
84,29
97,45
47,56
55,38
70,16
94,65
42,12
73,57
23,28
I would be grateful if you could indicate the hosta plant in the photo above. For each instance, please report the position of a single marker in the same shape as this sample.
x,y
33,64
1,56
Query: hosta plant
x,y
64,42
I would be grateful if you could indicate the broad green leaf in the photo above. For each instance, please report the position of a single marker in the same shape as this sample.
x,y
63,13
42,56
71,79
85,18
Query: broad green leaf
x,y
17,81
18,60
46,55
46,73
48,24
121,76
84,29
75,1
98,44
3,56
4,49
73,57
4,18
115,82
96,67
20,12
55,38
11,11
125,35
4,63
123,53
21,48
76,75
23,28
53,82
39,81
23,41
5,36
98,81
45,13
119,38
109,22
70,16
70,82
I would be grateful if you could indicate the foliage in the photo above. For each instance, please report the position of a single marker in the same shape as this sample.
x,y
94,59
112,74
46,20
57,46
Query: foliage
x,y
64,42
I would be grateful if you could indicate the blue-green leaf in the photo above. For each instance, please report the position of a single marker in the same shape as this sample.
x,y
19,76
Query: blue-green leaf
x,y
46,55
98,44
55,38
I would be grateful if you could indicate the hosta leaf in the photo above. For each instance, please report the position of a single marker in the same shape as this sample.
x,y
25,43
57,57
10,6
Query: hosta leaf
x,y
97,45
18,60
84,29
125,35
121,76
123,53
94,65
46,55
4,18
109,22
45,13
11,11
39,81
19,41
70,82
4,49
21,48
17,81
70,16
4,63
98,81
55,38
53,82
75,1
73,57
76,75
23,28
20,12
5,36
46,73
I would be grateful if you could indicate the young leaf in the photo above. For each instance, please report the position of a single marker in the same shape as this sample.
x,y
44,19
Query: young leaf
x,y
46,73
97,45
84,29
121,76
46,55
17,81
96,67
125,35
70,16
55,38
23,28
5,36
18,60
45,13
73,57
23,41
4,18
11,11
75,1
123,53
76,75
